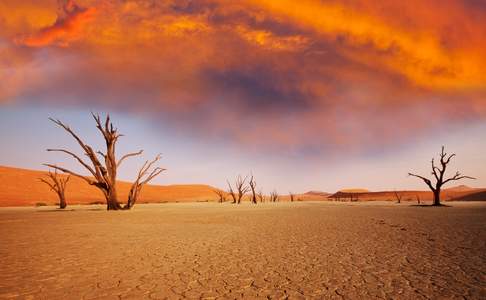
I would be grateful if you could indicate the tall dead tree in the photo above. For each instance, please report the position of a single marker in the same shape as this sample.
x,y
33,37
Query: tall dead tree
x,y
240,189
58,185
145,175
252,184
103,171
439,175
221,195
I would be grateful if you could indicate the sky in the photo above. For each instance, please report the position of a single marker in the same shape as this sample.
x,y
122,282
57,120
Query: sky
x,y
306,95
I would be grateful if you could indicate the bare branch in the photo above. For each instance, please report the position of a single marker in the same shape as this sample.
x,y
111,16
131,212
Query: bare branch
x,y
144,176
89,181
76,157
426,180
48,183
127,156
458,176
435,170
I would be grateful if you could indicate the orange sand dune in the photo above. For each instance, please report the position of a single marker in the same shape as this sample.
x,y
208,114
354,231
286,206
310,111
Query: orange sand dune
x,y
21,187
459,193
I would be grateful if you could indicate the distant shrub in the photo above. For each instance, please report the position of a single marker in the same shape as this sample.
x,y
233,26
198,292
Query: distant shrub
x,y
40,204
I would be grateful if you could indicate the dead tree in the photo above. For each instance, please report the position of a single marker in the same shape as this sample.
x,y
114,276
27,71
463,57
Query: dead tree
x,y
292,196
221,195
241,189
103,172
439,173
398,196
146,173
261,196
231,192
274,196
58,185
252,184
418,199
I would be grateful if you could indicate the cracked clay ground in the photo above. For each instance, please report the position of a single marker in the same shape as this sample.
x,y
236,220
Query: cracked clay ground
x,y
275,251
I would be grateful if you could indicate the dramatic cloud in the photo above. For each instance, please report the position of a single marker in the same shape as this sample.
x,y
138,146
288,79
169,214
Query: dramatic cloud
x,y
309,74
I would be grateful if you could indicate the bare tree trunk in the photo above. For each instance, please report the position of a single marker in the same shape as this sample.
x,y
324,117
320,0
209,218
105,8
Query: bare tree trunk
x,y
62,201
252,184
112,200
436,198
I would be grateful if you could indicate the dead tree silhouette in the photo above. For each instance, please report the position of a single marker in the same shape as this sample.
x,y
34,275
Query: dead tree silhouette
x,y
241,188
221,195
252,184
103,175
274,196
261,196
398,196
439,173
145,175
292,196
58,185
231,192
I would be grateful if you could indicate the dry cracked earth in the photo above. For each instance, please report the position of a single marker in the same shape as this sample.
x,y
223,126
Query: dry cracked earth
x,y
294,250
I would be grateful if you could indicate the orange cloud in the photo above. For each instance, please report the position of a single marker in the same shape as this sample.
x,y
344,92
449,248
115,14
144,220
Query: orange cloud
x,y
310,73
66,28
418,55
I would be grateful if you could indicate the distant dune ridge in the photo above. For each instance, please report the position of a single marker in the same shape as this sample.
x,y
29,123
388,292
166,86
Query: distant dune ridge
x,y
456,193
21,187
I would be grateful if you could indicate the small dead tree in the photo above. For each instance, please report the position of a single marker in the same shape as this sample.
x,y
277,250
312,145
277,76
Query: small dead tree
x,y
241,188
221,195
418,199
231,192
146,173
252,184
439,173
274,196
58,185
398,196
292,196
103,171
261,196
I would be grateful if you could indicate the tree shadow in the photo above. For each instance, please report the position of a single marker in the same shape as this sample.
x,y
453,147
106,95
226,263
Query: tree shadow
x,y
429,205
56,210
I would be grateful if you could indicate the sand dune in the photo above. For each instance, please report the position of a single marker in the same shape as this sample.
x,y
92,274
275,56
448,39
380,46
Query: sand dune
x,y
475,196
21,187
452,194
300,250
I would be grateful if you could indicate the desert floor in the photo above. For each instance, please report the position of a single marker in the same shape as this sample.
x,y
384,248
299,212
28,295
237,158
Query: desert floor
x,y
210,250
